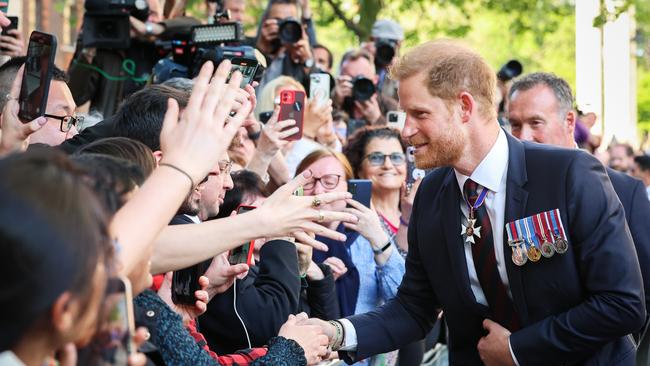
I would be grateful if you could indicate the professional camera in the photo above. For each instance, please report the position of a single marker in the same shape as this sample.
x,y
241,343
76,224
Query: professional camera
x,y
290,31
510,70
362,88
384,51
106,23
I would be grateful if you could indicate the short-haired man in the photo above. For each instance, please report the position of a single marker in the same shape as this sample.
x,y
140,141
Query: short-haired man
x,y
360,64
60,109
493,200
641,170
621,157
323,57
540,109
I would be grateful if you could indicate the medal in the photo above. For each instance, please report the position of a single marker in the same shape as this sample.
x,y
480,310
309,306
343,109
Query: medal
x,y
469,231
518,256
518,253
561,244
533,253
540,231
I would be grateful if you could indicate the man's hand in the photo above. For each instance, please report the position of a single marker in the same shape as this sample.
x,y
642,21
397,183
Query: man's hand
x,y
369,109
188,312
13,44
221,274
342,89
15,134
310,337
300,51
274,134
337,267
317,115
494,348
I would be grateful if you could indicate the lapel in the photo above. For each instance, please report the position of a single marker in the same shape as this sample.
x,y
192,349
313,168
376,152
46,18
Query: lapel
x,y
451,216
516,198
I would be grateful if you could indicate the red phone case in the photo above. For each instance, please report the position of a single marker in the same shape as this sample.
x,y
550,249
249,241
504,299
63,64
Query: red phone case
x,y
292,106
251,244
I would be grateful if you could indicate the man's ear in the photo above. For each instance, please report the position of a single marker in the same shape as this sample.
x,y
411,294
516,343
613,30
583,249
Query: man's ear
x,y
467,105
158,156
570,119
62,313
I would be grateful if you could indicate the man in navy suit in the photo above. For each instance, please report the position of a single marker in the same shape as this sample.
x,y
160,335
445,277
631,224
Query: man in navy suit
x,y
541,110
577,307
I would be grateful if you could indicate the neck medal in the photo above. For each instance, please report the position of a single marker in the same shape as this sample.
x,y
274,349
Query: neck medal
x,y
469,231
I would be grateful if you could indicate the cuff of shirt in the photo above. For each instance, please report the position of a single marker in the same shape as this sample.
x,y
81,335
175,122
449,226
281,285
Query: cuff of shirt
x,y
350,340
514,358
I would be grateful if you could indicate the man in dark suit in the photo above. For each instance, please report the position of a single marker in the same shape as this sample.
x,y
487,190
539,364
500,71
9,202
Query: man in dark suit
x,y
578,306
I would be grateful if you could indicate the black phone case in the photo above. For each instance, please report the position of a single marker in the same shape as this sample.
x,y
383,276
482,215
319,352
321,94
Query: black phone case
x,y
361,190
248,77
24,115
186,281
12,25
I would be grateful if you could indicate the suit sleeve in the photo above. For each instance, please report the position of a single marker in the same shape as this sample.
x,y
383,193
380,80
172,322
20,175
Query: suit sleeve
x,y
609,270
407,317
639,223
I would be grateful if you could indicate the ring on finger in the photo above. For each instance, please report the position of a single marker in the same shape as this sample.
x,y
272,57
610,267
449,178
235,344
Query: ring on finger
x,y
316,202
321,216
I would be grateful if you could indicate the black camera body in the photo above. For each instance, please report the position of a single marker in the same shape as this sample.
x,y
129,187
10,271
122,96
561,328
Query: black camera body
x,y
290,31
106,23
384,51
362,88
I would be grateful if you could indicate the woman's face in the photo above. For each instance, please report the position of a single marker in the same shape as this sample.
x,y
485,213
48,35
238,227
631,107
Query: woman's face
x,y
387,173
329,176
88,309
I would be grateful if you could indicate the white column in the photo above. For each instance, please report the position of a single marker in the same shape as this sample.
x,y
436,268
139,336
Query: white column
x,y
589,82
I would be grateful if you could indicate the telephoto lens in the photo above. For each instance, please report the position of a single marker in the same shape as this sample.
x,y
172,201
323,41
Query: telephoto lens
x,y
290,31
384,51
362,88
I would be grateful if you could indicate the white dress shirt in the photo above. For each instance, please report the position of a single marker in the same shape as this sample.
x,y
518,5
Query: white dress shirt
x,y
491,173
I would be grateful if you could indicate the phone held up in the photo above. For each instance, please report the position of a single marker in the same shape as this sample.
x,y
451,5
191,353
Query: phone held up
x,y
185,283
37,76
396,119
113,341
244,252
12,25
319,88
361,190
292,106
412,172
247,67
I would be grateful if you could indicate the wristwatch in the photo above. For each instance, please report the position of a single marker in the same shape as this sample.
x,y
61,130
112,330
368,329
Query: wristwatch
x,y
148,28
382,249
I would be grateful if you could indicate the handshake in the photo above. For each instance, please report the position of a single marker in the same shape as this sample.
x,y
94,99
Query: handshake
x,y
318,338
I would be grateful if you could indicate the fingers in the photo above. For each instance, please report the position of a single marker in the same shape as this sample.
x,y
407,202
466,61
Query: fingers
x,y
201,296
331,216
140,336
137,359
488,324
286,133
301,316
15,87
274,117
295,183
285,124
236,269
200,87
171,117
324,231
204,282
304,238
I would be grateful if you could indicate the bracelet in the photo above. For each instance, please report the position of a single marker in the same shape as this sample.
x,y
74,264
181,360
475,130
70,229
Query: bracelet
x,y
403,222
337,342
181,171
382,249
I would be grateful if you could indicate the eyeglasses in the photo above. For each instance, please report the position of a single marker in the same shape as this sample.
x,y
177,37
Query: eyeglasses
x,y
66,121
225,166
378,159
328,181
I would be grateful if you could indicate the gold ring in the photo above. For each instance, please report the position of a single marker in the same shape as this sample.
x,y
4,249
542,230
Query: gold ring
x,y
316,202
321,217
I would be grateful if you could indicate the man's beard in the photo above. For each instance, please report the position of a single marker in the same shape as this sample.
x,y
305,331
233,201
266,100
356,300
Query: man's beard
x,y
190,206
445,150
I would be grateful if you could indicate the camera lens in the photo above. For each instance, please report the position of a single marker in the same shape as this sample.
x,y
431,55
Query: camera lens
x,y
392,117
290,31
385,51
362,88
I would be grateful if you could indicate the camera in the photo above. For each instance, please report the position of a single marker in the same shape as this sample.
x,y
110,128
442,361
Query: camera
x,y
106,23
362,88
384,51
290,31
510,70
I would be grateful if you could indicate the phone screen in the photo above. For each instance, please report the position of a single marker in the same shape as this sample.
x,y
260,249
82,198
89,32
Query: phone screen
x,y
247,67
113,341
244,252
37,76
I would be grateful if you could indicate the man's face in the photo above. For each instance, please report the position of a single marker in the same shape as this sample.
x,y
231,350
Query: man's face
x,y
243,148
237,9
59,103
155,11
360,67
191,205
637,172
431,126
535,116
619,160
321,58
283,11
215,190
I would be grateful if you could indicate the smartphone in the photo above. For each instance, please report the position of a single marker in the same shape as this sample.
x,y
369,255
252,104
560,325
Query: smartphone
x,y
113,341
354,125
361,190
319,88
247,67
265,116
185,283
37,76
12,25
292,106
396,119
412,172
244,252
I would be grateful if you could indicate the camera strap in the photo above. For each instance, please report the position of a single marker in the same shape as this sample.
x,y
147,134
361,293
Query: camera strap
x,y
128,65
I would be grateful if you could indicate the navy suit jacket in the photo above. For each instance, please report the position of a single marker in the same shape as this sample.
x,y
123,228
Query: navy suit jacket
x,y
576,308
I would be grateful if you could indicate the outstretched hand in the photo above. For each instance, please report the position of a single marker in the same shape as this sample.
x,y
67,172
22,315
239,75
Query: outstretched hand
x,y
187,312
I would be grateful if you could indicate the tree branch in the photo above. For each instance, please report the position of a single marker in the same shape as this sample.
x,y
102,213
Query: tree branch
x,y
348,22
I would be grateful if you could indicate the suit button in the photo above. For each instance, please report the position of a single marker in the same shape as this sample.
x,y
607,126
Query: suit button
x,y
151,313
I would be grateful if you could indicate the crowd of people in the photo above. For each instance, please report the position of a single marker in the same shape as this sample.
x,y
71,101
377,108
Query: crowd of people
x,y
493,235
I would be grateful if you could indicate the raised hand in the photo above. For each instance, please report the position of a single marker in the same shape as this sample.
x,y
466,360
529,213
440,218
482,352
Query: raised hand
x,y
337,267
368,225
310,337
187,312
221,274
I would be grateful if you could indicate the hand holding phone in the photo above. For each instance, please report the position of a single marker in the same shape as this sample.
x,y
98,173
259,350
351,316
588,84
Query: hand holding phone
x,y
292,106
361,190
37,76
319,88
247,67
244,252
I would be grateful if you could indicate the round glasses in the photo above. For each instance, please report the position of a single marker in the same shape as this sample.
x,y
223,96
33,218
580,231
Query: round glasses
x,y
328,181
66,121
378,159
225,166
